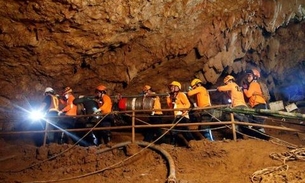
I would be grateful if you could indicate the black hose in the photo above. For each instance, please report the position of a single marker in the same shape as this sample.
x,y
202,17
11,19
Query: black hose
x,y
172,172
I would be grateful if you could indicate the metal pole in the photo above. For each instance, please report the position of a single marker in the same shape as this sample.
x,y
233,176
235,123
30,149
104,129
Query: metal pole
x,y
45,133
158,94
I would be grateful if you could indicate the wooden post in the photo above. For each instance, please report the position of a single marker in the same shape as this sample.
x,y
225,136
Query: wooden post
x,y
233,127
133,132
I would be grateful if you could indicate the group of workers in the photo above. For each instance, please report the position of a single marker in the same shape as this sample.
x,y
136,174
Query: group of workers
x,y
63,105
177,99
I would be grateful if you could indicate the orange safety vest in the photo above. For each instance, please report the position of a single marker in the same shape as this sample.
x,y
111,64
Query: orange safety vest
x,y
181,102
54,103
105,104
70,109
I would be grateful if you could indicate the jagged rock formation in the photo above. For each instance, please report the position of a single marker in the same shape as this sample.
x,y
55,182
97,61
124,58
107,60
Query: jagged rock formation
x,y
126,44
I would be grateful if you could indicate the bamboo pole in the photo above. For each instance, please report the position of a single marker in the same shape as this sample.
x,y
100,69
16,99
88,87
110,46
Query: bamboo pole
x,y
267,112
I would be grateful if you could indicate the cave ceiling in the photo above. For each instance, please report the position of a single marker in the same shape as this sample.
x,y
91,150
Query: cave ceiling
x,y
127,44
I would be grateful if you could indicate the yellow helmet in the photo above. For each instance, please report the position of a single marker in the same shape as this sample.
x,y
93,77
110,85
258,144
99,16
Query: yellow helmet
x,y
176,83
146,87
228,78
195,81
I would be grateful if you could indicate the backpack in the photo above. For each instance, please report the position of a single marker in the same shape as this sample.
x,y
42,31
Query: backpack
x,y
265,90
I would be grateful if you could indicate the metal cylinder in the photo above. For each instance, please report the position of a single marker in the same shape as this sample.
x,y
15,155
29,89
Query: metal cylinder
x,y
139,103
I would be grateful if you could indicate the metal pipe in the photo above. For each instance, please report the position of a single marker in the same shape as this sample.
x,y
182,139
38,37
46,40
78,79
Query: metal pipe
x,y
142,95
156,125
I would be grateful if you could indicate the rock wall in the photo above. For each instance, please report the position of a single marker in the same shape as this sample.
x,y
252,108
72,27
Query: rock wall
x,y
126,44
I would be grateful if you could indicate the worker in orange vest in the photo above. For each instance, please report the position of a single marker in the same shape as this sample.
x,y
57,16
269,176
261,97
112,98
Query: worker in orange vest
x,y
237,97
50,106
177,99
69,110
150,134
202,100
253,91
105,109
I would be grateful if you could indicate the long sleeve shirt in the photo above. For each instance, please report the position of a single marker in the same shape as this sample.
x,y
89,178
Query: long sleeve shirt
x,y
180,101
202,96
254,93
105,104
236,94
70,109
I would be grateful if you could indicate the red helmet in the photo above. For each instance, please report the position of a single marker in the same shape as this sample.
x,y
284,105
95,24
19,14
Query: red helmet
x,y
67,90
101,88
256,73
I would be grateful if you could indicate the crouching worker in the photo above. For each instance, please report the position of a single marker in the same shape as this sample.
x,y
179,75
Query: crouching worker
x,y
176,100
105,109
202,100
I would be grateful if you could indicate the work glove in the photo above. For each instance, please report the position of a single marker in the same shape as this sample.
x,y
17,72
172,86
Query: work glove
x,y
245,87
97,111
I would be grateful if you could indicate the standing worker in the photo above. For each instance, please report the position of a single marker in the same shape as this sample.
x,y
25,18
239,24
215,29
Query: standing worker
x,y
202,100
69,110
49,106
176,100
253,92
237,96
150,134
105,109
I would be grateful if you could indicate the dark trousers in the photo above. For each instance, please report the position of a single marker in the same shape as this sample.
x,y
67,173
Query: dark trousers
x,y
63,136
104,135
151,134
185,131
256,119
53,122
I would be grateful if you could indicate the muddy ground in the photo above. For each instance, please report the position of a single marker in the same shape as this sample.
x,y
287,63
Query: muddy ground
x,y
279,159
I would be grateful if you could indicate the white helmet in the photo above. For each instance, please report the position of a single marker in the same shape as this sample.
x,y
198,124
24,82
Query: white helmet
x,y
49,90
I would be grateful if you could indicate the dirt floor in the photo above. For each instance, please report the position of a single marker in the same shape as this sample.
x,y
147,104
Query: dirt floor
x,y
279,159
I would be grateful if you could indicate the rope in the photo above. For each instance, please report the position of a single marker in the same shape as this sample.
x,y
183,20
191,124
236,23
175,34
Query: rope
x,y
293,155
257,176
113,165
